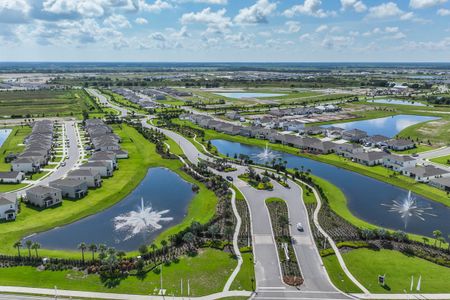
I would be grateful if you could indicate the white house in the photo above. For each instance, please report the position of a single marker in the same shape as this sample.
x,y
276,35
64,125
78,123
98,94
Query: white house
x,y
398,163
25,165
92,178
12,177
43,196
425,173
8,208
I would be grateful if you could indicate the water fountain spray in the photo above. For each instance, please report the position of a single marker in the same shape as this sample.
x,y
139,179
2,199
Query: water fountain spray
x,y
142,220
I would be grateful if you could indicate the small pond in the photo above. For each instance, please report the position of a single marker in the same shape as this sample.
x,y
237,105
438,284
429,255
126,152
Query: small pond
x,y
248,95
160,190
387,126
4,133
397,101
368,199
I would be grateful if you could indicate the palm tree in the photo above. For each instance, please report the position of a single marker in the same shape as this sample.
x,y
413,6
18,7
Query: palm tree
x,y
82,247
18,245
35,247
28,244
164,245
154,247
436,234
93,248
189,238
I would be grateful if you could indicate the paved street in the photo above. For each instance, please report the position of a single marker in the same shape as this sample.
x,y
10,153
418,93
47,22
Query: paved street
x,y
103,100
73,151
268,273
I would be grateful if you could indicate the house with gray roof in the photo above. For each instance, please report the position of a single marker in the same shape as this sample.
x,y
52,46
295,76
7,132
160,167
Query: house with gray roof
x,y
8,208
25,165
43,196
12,177
400,144
70,188
442,183
92,178
425,173
107,156
371,158
376,140
103,167
398,163
354,135
348,150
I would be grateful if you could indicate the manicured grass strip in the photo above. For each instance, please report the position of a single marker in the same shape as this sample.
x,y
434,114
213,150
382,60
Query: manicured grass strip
x,y
245,280
337,276
367,264
207,273
443,160
5,187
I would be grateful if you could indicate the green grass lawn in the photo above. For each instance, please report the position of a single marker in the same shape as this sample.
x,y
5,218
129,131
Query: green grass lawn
x,y
444,160
337,276
243,281
207,273
13,144
131,172
8,187
367,264
420,148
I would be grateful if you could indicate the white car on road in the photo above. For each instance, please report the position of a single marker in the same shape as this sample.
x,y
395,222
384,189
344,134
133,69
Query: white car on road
x,y
299,226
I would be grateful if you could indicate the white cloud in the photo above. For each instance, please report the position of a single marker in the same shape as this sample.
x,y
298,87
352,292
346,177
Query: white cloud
x,y
256,14
141,21
337,42
357,5
215,20
117,21
14,11
322,28
310,8
155,7
304,37
214,2
418,4
389,10
293,26
443,12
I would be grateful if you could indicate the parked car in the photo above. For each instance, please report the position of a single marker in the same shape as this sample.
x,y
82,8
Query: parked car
x,y
63,164
299,226
229,178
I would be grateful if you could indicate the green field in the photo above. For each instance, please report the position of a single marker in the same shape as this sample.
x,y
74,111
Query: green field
x,y
367,264
46,103
337,276
207,273
131,172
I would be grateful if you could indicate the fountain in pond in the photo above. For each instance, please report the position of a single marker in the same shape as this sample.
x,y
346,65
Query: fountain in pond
x,y
143,220
409,208
266,155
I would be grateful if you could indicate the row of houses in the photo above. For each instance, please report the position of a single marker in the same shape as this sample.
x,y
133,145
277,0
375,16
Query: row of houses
x,y
133,97
406,165
303,111
76,183
37,153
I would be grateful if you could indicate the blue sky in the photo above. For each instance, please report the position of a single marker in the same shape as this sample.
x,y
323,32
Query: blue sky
x,y
225,30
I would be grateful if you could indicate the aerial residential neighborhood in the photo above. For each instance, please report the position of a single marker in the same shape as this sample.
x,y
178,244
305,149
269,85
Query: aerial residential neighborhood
x,y
219,149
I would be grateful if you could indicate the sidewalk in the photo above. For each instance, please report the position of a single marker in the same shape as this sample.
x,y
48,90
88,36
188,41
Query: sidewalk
x,y
112,296
402,296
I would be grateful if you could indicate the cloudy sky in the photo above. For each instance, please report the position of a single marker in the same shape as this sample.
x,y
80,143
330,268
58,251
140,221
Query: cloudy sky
x,y
225,30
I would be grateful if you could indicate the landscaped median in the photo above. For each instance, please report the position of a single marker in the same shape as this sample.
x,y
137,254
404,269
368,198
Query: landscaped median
x,y
279,218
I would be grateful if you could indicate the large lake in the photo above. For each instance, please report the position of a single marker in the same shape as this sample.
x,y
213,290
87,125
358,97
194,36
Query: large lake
x,y
365,195
397,101
4,133
388,126
248,95
161,189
